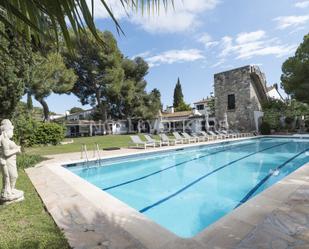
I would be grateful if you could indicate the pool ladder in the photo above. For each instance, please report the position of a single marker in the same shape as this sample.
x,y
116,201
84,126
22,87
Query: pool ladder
x,y
84,152
96,154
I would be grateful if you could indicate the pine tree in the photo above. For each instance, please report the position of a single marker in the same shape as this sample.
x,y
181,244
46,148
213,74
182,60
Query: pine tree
x,y
98,69
295,73
179,103
178,96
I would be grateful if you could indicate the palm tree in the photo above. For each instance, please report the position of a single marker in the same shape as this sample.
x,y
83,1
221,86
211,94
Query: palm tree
x,y
30,18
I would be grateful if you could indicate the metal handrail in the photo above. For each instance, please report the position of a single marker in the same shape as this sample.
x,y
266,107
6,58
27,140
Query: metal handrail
x,y
84,152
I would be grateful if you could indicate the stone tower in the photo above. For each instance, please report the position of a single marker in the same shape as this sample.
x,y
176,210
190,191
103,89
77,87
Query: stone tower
x,y
239,93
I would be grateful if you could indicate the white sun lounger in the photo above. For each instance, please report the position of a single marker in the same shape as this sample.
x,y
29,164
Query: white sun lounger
x,y
217,136
138,143
190,138
169,141
206,136
151,140
200,137
230,134
179,137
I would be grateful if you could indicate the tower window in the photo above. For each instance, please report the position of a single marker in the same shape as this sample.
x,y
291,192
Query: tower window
x,y
231,101
200,107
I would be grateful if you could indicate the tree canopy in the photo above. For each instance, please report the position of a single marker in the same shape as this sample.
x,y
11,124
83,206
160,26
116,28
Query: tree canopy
x,y
49,75
295,76
114,85
13,71
179,103
133,100
76,110
98,69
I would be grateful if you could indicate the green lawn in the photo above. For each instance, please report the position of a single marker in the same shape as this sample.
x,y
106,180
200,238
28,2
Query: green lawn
x,y
103,141
27,225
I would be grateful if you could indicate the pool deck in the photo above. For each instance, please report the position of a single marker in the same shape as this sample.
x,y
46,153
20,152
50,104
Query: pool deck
x,y
91,218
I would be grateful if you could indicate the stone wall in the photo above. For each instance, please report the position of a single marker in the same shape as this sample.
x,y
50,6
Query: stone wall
x,y
240,82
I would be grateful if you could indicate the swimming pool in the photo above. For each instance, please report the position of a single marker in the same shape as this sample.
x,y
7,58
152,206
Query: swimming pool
x,y
187,190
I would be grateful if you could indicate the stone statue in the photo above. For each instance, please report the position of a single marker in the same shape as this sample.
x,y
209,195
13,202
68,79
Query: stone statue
x,y
8,151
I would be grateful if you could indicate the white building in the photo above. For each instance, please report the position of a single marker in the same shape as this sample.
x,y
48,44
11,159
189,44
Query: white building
x,y
273,93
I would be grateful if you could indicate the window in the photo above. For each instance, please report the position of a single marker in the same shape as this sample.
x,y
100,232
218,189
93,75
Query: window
x,y
200,107
231,101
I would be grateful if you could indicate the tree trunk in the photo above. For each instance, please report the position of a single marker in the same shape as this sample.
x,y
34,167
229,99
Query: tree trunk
x,y
29,101
45,109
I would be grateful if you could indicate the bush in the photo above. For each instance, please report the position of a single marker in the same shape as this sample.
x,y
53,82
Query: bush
x,y
289,120
48,133
23,132
25,161
273,119
265,128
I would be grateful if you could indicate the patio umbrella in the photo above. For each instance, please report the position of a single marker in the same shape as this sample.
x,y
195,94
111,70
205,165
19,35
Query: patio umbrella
x,y
226,123
139,126
206,121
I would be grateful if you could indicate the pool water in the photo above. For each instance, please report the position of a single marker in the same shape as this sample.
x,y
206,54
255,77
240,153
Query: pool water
x,y
187,190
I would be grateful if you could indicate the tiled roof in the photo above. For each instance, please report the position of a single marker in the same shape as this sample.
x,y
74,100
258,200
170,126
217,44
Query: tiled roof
x,y
202,101
176,114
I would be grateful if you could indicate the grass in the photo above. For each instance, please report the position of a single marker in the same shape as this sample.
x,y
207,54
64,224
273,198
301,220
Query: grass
x,y
26,224
103,141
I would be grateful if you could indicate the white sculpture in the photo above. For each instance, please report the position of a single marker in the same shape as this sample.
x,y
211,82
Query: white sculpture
x,y
8,151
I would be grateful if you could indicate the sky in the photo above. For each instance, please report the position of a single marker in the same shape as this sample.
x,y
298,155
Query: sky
x,y
198,38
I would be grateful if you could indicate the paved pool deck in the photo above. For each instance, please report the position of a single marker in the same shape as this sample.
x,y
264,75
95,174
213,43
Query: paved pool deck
x,y
91,218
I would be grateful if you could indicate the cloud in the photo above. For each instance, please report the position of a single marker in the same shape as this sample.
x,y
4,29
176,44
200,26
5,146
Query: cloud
x,y
114,5
143,54
250,37
175,56
249,45
207,40
183,16
291,21
302,4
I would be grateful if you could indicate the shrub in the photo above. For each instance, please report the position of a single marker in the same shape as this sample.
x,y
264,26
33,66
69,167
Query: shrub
x,y
307,125
289,120
25,161
48,133
265,128
23,132
272,118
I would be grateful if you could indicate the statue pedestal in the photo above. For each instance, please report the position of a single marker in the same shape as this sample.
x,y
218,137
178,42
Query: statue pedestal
x,y
16,197
6,202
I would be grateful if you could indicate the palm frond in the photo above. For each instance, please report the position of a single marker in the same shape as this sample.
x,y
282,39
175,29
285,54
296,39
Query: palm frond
x,y
26,17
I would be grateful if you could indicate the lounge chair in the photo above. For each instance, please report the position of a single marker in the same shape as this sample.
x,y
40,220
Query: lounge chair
x,y
206,136
217,136
230,134
190,138
169,141
178,137
137,142
240,134
223,135
200,137
151,140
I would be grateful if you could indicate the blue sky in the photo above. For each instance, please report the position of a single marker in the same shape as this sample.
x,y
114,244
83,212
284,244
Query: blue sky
x,y
203,37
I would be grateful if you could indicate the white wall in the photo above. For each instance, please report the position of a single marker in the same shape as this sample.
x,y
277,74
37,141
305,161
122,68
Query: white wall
x,y
273,93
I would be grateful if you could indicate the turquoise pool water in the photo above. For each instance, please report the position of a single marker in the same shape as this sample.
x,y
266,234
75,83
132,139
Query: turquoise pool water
x,y
187,190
